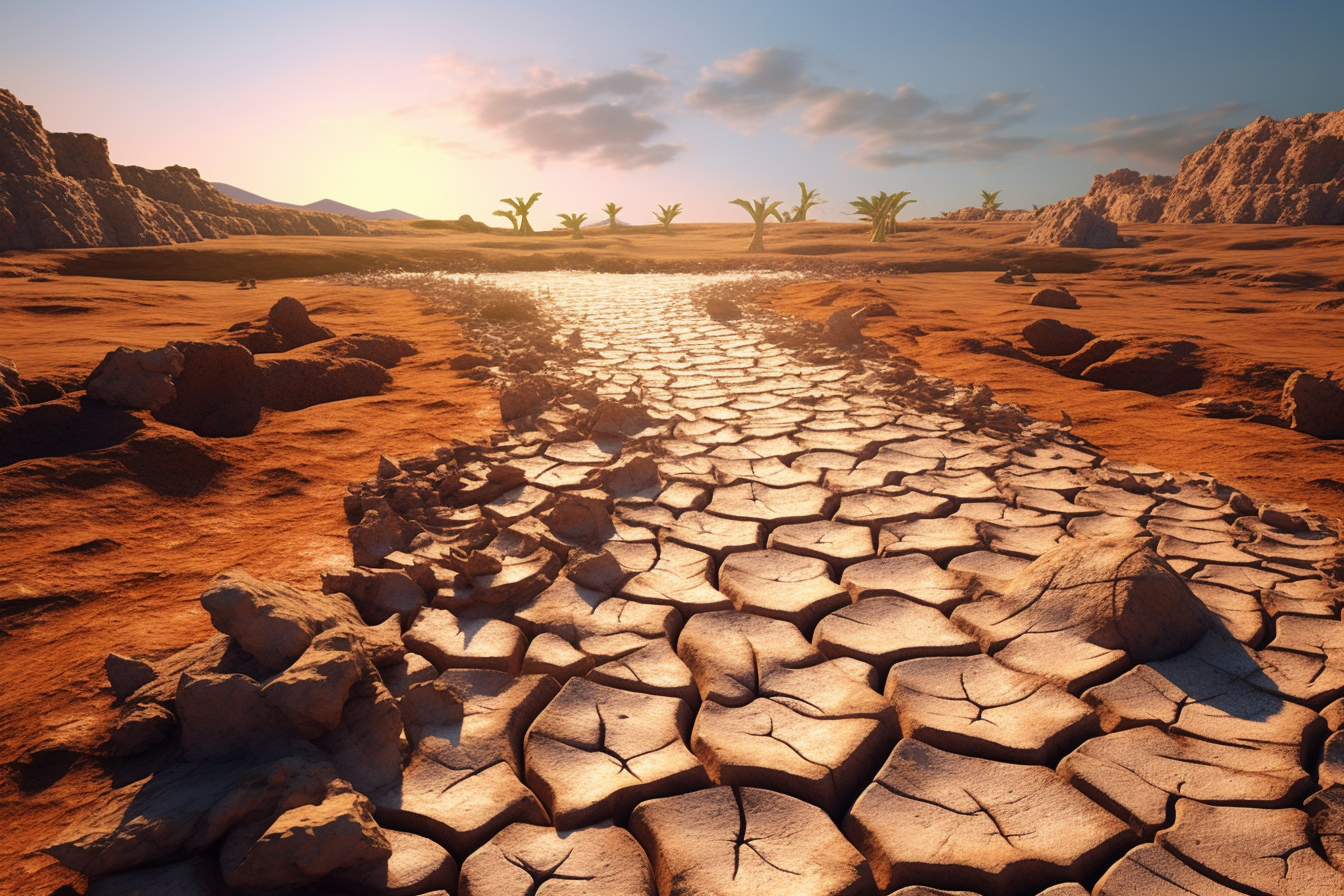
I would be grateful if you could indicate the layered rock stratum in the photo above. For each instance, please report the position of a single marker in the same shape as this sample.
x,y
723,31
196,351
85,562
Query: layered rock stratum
x,y
1269,172
62,191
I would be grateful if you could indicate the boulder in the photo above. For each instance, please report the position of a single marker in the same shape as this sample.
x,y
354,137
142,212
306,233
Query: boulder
x,y
1314,405
136,379
1048,336
377,593
1086,611
216,391
468,360
127,675
288,320
1073,224
306,843
272,621
1054,297
292,383
310,694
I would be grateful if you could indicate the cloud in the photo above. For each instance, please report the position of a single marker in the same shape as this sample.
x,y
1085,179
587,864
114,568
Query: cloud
x,y
604,119
752,85
1159,139
905,127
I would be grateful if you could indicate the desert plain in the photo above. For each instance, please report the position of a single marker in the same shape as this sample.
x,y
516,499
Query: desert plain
x,y
107,550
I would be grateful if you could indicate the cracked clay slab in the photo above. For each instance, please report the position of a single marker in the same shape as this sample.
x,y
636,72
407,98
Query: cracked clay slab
x,y
742,841
995,828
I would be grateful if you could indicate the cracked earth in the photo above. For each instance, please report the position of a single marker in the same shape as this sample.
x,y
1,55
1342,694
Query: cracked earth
x,y
741,605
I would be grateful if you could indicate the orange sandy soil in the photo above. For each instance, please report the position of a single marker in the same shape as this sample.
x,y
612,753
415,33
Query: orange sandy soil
x,y
275,509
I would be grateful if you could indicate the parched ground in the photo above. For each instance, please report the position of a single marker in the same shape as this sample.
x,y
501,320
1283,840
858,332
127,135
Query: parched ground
x,y
110,551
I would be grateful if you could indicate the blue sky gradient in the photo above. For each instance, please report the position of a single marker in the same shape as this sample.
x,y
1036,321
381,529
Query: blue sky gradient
x,y
441,108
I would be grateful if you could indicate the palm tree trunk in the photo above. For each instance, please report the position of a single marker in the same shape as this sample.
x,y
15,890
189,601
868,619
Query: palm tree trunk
x,y
758,238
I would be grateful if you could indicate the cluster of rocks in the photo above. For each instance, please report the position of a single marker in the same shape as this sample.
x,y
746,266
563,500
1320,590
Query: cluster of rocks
x,y
979,213
1309,403
1269,172
61,190
1138,363
212,388
711,618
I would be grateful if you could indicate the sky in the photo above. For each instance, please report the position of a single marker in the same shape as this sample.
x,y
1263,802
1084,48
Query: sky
x,y
442,108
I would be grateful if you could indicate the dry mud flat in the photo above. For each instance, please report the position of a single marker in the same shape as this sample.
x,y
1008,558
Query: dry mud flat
x,y
871,629
743,611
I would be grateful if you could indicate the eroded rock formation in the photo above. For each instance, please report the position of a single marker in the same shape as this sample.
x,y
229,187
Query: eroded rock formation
x,y
1268,172
60,191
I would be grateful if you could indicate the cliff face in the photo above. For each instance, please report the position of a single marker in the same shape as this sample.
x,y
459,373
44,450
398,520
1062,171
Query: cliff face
x,y
1269,172
62,191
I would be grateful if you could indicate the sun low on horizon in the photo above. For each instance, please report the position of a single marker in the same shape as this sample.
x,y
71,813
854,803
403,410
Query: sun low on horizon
x,y
441,109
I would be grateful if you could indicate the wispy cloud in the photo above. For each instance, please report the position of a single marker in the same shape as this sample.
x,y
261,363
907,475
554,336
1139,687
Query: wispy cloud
x,y
1159,139
608,119
751,85
905,127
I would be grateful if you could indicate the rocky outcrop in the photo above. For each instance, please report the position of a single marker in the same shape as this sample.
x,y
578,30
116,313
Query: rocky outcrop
x,y
60,191
1269,172
1074,224
136,379
1314,405
1127,197
977,213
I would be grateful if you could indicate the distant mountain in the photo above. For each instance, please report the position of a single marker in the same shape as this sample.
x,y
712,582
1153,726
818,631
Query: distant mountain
x,y
330,206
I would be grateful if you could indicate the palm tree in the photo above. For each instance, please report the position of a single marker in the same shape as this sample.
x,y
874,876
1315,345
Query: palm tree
x,y
574,222
881,211
513,219
898,202
520,208
991,200
611,209
759,211
665,215
808,201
